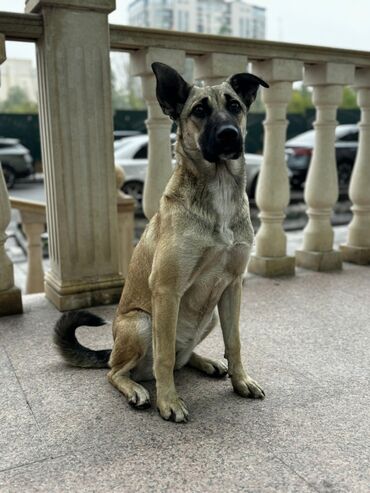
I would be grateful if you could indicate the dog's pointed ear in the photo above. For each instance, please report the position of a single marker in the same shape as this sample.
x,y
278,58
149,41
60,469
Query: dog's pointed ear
x,y
172,89
246,86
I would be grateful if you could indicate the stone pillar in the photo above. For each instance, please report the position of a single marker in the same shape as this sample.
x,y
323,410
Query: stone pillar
x,y
273,183
10,296
77,150
159,125
357,249
214,68
321,191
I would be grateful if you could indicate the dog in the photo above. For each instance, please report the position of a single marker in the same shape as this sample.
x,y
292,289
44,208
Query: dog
x,y
190,258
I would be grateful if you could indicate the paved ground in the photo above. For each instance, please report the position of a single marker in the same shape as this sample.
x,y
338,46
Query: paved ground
x,y
306,340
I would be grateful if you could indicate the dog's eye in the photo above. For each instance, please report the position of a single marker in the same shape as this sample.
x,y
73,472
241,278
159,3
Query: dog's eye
x,y
198,111
234,107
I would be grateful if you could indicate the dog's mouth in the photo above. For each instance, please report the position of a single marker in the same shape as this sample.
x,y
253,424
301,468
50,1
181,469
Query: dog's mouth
x,y
224,154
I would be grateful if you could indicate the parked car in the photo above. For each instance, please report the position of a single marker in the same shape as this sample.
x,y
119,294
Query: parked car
x,y
299,152
132,156
15,159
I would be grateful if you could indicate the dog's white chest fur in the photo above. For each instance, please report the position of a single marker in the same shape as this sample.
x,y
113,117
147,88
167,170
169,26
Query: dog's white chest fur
x,y
224,204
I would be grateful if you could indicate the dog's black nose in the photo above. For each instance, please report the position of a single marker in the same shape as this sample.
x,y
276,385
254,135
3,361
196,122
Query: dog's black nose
x,y
227,134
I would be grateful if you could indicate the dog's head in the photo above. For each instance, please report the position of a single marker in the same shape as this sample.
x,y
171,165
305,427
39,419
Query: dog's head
x,y
212,119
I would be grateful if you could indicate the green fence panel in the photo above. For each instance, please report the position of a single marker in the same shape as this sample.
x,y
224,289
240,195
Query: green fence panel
x,y
24,127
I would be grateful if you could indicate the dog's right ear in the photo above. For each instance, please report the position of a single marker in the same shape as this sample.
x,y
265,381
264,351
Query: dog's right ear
x,y
172,89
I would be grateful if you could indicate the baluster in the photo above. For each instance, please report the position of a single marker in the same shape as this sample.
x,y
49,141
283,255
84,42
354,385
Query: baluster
x,y
33,224
126,224
10,296
357,249
76,133
272,196
158,125
214,68
321,191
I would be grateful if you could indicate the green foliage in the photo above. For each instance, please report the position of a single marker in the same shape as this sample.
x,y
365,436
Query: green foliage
x,y
349,99
300,101
126,98
18,102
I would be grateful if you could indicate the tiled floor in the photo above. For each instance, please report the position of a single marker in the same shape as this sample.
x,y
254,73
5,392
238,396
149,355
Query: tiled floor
x,y
306,341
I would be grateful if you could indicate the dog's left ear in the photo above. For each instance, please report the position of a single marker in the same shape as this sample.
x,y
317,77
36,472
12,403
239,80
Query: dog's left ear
x,y
246,86
172,89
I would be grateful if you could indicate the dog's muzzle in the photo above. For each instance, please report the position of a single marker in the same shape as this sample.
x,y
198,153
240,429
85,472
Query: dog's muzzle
x,y
228,142
221,142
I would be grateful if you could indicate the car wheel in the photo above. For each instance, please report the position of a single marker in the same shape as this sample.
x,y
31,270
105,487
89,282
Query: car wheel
x,y
344,174
136,190
9,176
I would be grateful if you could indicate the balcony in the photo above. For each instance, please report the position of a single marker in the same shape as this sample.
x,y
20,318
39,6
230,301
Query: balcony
x,y
305,308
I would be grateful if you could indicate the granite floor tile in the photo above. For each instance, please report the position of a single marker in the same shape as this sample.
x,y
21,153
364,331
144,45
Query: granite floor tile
x,y
21,439
208,465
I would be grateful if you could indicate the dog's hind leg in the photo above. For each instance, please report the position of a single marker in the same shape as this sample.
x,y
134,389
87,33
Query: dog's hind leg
x,y
132,342
211,367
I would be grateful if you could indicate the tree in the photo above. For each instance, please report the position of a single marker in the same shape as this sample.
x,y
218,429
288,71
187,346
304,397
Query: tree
x,y
349,99
18,102
300,101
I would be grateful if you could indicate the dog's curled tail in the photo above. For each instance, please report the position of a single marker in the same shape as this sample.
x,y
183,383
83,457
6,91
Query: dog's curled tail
x,y
68,346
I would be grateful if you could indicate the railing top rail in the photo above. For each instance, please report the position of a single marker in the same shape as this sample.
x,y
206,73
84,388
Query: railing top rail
x,y
29,27
127,38
21,27
27,205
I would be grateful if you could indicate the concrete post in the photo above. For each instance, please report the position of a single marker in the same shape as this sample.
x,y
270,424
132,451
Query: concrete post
x,y
273,183
357,249
10,296
158,125
214,68
77,149
321,191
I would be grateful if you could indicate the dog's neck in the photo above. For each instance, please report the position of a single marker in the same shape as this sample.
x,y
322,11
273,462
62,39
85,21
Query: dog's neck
x,y
215,191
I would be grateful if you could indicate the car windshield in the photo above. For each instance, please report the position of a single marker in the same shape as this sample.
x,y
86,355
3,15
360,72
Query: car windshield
x,y
128,147
307,138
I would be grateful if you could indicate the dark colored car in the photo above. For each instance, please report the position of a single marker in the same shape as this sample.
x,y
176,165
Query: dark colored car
x,y
15,160
299,152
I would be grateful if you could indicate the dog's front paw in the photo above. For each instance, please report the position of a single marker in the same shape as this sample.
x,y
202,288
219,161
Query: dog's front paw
x,y
247,387
173,409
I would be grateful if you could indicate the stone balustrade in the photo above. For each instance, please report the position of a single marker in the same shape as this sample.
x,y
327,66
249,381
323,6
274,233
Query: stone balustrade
x,y
76,131
33,219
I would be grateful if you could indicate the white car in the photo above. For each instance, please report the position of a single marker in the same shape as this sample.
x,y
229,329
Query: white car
x,y
131,153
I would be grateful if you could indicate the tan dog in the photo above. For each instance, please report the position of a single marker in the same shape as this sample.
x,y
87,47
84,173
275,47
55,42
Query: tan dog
x,y
190,258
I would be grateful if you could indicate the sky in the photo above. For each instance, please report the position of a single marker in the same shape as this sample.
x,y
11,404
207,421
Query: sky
x,y
336,23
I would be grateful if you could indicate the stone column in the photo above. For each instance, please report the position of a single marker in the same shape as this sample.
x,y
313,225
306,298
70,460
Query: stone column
x,y
357,249
159,125
10,296
273,183
321,191
77,151
214,68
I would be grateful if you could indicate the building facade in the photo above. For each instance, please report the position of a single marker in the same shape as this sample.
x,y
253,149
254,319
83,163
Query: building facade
x,y
21,73
232,18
